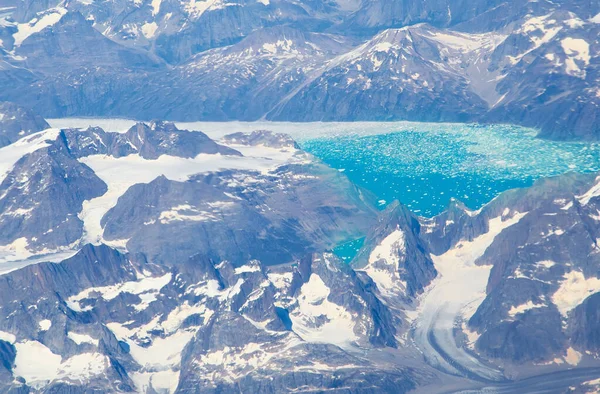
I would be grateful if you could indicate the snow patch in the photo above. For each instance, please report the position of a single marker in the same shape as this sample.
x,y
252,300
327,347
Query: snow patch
x,y
578,54
156,382
282,281
82,338
156,7
146,288
36,25
573,357
384,264
573,290
318,320
7,337
247,268
39,366
45,325
515,310
149,29
540,30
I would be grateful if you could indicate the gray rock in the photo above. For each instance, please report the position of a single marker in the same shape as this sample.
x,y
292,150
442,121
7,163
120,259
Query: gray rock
x,y
262,138
17,122
42,196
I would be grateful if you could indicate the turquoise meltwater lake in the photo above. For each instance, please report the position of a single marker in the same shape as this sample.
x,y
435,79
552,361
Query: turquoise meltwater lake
x,y
424,166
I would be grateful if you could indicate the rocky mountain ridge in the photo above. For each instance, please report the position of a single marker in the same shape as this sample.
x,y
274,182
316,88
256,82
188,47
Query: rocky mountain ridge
x,y
177,264
533,64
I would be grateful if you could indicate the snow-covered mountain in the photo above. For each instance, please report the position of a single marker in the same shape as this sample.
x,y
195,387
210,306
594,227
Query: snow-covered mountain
x,y
529,63
156,260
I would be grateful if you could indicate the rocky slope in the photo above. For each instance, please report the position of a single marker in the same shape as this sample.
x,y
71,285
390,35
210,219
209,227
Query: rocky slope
x,y
532,63
159,261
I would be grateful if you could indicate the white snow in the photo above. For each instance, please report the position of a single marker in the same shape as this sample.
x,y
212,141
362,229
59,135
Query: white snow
x,y
156,382
9,155
17,250
38,24
197,7
585,198
594,382
540,30
186,212
384,264
163,353
578,53
318,320
595,19
146,286
545,264
232,363
122,173
247,268
39,366
515,310
573,290
45,325
7,337
149,29
280,46
281,281
182,312
455,295
82,338
156,7
573,356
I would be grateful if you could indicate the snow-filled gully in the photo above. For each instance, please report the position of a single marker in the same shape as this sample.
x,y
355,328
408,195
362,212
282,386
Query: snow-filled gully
x,y
453,298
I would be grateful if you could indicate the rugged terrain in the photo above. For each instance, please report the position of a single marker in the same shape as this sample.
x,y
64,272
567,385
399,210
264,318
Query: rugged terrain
x,y
533,64
160,261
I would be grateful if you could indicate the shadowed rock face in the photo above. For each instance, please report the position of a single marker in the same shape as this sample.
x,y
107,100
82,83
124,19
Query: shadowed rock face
x,y
147,140
17,122
538,266
43,194
241,215
414,265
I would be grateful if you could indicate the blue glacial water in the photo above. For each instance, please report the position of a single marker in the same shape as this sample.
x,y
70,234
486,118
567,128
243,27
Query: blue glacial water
x,y
425,168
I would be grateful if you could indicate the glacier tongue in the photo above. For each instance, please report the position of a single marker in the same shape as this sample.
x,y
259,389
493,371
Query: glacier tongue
x,y
452,298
